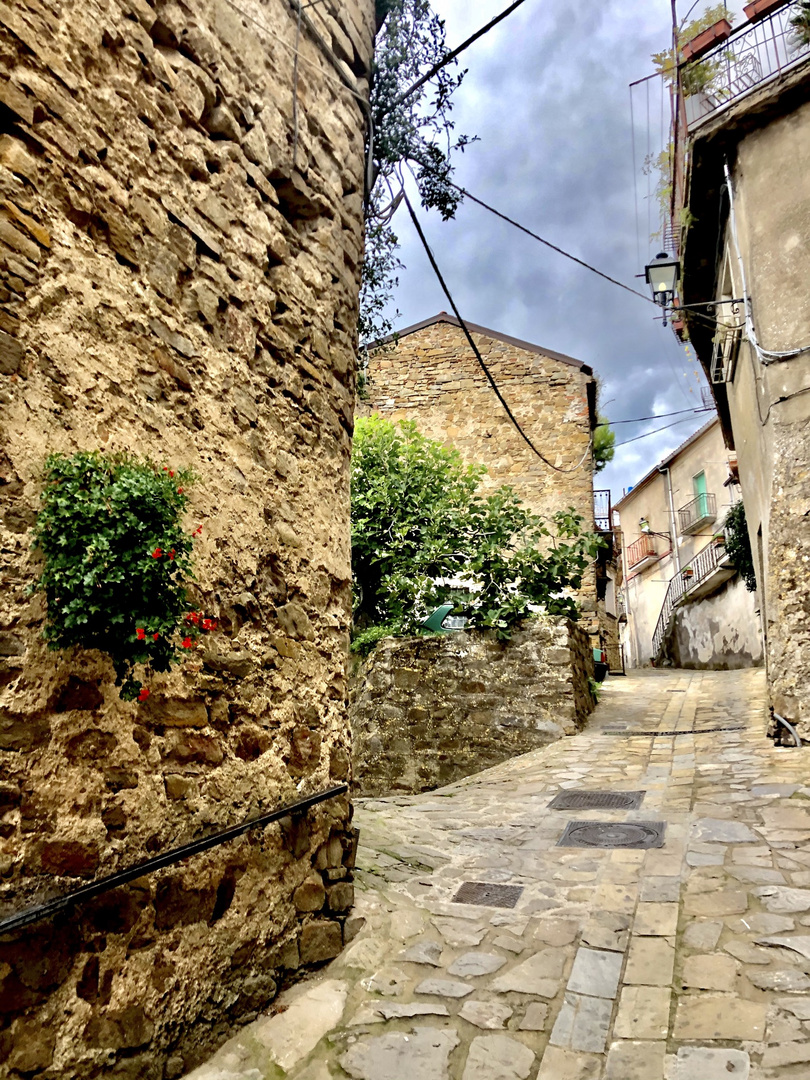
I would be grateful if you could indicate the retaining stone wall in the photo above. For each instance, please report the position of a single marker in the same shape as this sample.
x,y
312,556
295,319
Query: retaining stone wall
x,y
428,710
172,284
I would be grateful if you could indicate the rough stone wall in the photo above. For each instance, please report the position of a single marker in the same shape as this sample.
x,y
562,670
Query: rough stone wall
x,y
716,633
432,377
172,284
426,711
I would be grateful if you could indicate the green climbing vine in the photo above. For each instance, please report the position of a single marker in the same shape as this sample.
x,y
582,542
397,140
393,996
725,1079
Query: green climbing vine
x,y
116,559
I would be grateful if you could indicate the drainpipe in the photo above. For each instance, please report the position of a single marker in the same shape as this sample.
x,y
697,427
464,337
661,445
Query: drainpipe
x,y
667,480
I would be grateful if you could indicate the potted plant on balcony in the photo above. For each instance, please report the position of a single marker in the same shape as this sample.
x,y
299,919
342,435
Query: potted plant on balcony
x,y
687,573
760,9
719,540
800,24
706,39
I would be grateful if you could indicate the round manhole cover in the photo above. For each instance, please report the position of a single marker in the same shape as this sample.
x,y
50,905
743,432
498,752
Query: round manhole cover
x,y
612,835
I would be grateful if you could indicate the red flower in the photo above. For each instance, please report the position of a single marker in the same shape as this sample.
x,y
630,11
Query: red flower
x,y
155,637
171,554
144,694
192,616
171,473
157,553
187,643
179,491
141,633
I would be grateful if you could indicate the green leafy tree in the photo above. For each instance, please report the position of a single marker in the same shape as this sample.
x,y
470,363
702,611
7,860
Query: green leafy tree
x,y
423,535
417,132
738,545
604,439
115,562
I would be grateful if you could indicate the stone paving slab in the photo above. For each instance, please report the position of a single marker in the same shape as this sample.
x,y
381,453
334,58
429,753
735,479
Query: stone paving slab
x,y
688,962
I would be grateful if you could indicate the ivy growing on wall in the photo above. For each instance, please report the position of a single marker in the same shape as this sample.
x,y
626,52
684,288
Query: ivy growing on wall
x,y
116,558
738,545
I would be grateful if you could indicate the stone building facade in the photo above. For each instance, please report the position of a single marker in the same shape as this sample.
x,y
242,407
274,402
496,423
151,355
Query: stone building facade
x,y
428,373
747,194
180,240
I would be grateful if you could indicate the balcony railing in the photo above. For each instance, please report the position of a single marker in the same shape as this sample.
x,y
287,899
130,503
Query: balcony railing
x,y
754,54
703,564
602,511
641,552
697,513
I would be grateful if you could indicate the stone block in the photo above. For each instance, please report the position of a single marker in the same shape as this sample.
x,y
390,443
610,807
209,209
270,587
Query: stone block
x,y
70,858
196,750
11,354
310,896
319,940
340,897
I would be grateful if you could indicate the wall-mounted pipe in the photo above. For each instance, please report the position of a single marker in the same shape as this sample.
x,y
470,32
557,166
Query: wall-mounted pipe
x,y
789,726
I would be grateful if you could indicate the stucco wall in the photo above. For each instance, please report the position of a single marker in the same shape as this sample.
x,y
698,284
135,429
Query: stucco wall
x,y
718,632
768,406
426,711
171,285
645,589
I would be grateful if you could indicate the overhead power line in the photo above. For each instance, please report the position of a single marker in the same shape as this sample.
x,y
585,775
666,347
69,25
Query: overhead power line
x,y
656,416
452,55
654,432
548,244
475,349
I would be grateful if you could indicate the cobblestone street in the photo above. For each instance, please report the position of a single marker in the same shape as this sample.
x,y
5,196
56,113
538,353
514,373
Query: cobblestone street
x,y
686,961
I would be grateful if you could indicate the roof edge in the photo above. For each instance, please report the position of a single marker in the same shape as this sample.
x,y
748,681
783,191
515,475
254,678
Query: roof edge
x,y
444,317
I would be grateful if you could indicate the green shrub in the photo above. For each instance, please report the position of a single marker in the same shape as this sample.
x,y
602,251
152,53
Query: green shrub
x,y
738,545
423,535
116,559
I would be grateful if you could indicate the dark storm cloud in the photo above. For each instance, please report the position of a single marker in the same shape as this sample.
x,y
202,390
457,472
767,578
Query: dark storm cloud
x,y
547,94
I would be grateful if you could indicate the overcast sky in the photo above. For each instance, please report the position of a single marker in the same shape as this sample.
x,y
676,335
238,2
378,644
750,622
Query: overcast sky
x,y
547,93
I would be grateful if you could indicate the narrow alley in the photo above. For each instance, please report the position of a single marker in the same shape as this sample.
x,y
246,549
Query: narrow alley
x,y
684,959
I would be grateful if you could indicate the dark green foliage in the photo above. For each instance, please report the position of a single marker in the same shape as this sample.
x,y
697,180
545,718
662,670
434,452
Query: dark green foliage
x,y
738,545
800,23
423,535
115,560
604,438
417,132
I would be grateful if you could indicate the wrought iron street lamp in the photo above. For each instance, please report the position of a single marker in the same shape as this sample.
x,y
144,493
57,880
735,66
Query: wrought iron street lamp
x,y
662,276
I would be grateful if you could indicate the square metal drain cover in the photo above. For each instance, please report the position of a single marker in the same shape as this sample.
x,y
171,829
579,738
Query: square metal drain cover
x,y
597,800
488,895
609,834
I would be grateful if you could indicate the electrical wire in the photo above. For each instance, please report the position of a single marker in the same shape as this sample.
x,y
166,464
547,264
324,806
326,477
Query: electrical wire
x,y
455,52
658,416
474,347
548,244
646,434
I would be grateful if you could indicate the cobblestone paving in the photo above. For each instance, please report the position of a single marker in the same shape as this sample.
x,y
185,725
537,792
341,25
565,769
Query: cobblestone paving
x,y
689,961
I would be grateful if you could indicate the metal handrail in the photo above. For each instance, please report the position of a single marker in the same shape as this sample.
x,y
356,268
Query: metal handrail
x,y
702,506
168,858
602,510
641,549
706,560
753,54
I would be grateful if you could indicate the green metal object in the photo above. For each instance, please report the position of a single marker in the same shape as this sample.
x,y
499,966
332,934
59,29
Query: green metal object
x,y
434,621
